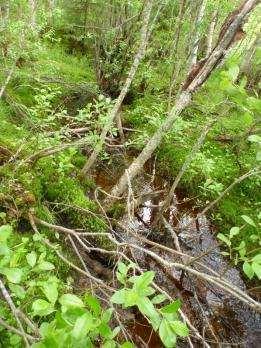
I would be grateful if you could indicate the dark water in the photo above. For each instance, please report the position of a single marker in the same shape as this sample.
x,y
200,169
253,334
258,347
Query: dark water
x,y
232,322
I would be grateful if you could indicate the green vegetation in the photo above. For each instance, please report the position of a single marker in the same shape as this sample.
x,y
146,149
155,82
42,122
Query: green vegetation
x,y
62,68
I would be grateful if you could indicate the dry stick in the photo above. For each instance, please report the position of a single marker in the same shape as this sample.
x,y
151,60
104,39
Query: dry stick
x,y
184,98
115,110
54,149
218,279
186,164
7,80
177,245
195,40
33,221
254,171
30,324
11,304
16,331
78,254
214,280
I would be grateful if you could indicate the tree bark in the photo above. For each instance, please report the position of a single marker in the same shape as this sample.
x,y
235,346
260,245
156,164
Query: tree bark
x,y
196,37
138,57
211,33
186,164
183,100
32,4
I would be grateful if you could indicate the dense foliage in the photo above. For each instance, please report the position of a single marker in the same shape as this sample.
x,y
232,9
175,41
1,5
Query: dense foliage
x,y
63,64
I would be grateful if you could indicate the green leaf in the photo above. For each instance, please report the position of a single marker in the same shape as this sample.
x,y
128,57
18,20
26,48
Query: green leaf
x,y
233,232
233,72
109,344
122,268
105,330
158,299
224,239
106,316
127,345
131,297
167,335
31,258
173,307
143,281
248,220
70,300
82,326
256,267
50,291
45,266
121,278
254,138
5,232
257,258
248,270
14,275
179,328
42,308
119,296
93,303
17,290
147,309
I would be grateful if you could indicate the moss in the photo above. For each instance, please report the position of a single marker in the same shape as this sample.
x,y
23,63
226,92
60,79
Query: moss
x,y
117,210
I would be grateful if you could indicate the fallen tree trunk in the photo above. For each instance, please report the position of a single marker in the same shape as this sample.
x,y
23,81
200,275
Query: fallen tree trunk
x,y
197,76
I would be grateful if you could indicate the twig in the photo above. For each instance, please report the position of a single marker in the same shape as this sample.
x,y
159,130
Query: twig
x,y
16,331
65,260
11,304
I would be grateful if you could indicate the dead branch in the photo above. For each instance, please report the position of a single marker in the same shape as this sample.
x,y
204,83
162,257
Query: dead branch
x,y
11,71
16,331
55,149
65,260
255,171
11,304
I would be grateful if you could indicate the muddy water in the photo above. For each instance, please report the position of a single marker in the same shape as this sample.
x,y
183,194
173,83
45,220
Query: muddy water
x,y
233,324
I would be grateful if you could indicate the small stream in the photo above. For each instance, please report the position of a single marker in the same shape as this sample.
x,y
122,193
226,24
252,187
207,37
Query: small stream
x,y
233,323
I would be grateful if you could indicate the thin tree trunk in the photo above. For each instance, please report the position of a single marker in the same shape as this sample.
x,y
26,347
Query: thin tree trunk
x,y
196,37
138,57
245,66
211,33
183,100
32,4
174,50
186,164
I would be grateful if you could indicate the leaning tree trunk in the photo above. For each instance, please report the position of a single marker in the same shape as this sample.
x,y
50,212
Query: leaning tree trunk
x,y
228,35
115,110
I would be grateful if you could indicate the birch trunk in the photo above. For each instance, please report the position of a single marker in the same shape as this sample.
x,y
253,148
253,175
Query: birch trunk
x,y
195,41
185,165
211,33
184,98
32,4
113,114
